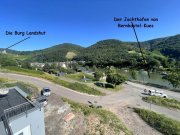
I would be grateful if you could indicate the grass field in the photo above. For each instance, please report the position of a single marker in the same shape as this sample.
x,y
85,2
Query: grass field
x,y
163,124
107,120
167,102
80,76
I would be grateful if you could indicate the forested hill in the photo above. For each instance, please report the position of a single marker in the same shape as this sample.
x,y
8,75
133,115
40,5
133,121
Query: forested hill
x,y
55,53
107,52
168,46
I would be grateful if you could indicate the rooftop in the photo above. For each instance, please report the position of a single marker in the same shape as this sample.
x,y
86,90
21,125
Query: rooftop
x,y
14,102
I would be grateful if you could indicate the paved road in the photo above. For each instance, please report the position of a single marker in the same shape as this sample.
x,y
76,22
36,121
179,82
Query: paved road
x,y
130,95
57,89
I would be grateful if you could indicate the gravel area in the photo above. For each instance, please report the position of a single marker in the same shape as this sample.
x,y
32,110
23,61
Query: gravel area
x,y
134,123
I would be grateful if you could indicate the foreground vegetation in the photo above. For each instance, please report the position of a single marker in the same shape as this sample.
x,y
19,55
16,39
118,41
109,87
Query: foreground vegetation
x,y
30,89
74,86
167,102
161,123
107,119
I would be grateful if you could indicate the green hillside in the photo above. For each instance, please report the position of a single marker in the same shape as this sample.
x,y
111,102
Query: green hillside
x,y
7,60
107,52
55,53
168,46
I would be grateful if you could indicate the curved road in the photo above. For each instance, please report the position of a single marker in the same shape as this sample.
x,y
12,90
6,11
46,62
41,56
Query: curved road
x,y
130,95
57,89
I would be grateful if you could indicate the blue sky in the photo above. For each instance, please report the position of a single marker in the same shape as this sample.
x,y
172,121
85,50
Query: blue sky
x,y
83,22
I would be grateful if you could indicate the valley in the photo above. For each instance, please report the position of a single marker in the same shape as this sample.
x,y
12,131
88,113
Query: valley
x,y
109,74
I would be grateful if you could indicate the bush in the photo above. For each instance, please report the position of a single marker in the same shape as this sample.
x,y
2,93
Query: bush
x,y
107,85
6,60
133,74
2,80
115,79
104,85
161,123
98,75
163,101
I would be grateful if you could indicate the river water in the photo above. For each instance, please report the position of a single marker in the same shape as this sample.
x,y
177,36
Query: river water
x,y
155,78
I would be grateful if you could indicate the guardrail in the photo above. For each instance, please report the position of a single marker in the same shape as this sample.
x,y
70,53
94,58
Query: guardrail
x,y
6,125
16,110
13,111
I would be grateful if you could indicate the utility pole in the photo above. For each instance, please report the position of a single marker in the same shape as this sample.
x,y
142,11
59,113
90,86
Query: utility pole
x,y
150,103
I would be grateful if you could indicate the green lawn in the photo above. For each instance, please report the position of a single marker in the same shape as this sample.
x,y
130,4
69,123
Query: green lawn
x,y
163,124
167,102
19,57
80,76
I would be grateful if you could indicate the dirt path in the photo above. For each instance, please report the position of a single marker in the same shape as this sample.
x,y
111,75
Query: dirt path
x,y
55,112
134,123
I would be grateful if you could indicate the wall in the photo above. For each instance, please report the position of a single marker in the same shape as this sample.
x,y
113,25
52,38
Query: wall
x,y
2,128
34,118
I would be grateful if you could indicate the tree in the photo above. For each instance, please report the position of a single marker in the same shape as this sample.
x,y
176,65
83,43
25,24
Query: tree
x,y
98,75
70,56
53,65
46,67
75,66
152,63
115,79
173,77
94,68
26,64
110,70
133,74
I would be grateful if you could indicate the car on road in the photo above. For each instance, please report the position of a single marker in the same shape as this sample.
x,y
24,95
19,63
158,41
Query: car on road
x,y
158,93
46,91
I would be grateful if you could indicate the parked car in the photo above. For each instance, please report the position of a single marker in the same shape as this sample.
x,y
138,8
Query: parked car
x,y
46,91
158,93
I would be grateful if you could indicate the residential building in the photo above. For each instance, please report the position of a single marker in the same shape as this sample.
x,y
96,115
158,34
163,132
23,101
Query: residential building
x,y
18,115
36,64
3,52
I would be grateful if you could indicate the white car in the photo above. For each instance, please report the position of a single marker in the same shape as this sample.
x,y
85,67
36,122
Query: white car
x,y
159,94
46,91
156,93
